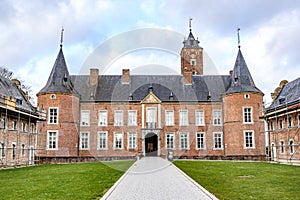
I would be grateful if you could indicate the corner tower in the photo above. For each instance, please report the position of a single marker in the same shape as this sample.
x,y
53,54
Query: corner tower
x,y
61,102
243,123
191,55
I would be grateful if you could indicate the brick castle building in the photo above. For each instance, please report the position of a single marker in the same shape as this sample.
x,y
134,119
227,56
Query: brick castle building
x,y
18,124
192,115
283,120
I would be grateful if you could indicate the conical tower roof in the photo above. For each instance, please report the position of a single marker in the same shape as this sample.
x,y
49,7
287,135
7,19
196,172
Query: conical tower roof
x,y
241,79
59,78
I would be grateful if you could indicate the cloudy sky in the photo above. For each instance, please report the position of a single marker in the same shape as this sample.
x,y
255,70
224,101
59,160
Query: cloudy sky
x,y
30,36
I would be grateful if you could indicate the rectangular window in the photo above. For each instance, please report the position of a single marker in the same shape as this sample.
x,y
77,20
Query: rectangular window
x,y
218,141
291,146
32,128
247,115
23,127
23,150
132,118
183,118
184,141
200,141
151,117
170,141
280,124
85,118
249,139
13,153
52,138
169,118
217,118
53,116
118,118
3,123
298,120
84,141
118,141
290,121
15,127
281,146
199,118
2,150
102,140
132,140
102,118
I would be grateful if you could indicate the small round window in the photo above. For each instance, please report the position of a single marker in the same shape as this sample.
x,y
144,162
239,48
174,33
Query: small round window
x,y
53,96
247,96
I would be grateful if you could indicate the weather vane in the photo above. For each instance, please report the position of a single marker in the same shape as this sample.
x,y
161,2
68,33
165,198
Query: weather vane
x,y
238,35
190,24
61,36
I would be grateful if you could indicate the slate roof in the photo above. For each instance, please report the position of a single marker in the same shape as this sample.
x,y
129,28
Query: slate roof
x,y
111,88
241,80
9,88
289,95
59,78
191,42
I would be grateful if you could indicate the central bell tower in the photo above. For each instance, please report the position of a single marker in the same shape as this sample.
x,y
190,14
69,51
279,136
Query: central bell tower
x,y
191,55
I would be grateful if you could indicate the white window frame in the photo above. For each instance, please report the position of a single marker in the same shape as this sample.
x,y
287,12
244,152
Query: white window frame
x,y
2,150
83,136
23,151
151,117
299,120
118,118
290,123
170,146
132,118
48,139
247,115
102,119
131,140
169,117
199,118
13,150
183,118
199,137
85,114
291,147
217,117
221,137
50,117
252,139
281,145
184,141
121,136
100,140
23,126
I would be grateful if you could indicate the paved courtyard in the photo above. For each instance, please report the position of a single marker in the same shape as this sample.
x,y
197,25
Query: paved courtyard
x,y
156,178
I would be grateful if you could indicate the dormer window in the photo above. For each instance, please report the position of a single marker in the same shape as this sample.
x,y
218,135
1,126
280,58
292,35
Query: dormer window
x,y
281,100
236,79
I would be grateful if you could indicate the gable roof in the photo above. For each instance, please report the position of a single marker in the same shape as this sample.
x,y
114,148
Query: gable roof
x,y
59,78
241,80
288,96
111,89
9,89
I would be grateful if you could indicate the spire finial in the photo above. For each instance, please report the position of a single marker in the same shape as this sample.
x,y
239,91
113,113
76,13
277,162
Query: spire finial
x,y
190,24
238,35
61,36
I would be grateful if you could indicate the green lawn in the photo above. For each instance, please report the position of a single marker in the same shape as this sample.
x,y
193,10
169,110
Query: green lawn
x,y
61,181
245,180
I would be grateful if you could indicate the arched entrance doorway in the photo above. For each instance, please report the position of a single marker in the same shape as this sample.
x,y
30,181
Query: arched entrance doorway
x,y
151,140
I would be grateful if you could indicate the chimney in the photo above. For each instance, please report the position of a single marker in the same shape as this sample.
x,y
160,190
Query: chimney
x,y
188,77
125,76
230,73
94,74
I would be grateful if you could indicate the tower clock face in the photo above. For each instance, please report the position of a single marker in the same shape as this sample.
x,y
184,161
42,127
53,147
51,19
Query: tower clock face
x,y
193,55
